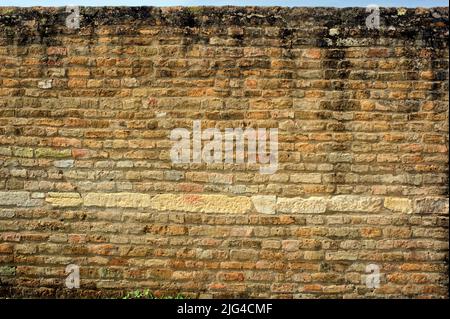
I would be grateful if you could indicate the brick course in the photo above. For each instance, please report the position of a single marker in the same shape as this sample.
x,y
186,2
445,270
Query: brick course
x,y
86,176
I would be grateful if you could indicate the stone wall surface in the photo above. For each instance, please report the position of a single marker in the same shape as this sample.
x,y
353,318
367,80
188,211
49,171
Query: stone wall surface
x,y
86,176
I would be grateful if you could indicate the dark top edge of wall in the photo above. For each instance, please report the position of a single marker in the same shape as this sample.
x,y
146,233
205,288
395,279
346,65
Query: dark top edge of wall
x,y
226,16
42,25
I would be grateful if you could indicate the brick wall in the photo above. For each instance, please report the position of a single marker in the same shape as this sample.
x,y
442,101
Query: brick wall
x,y
86,176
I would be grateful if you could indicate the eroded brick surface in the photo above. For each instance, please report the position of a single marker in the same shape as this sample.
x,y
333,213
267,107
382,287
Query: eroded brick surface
x,y
86,176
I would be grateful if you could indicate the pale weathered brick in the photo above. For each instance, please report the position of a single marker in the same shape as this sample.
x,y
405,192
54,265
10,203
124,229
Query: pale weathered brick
x,y
431,205
402,205
63,199
313,205
63,163
14,198
354,203
202,203
264,204
126,200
